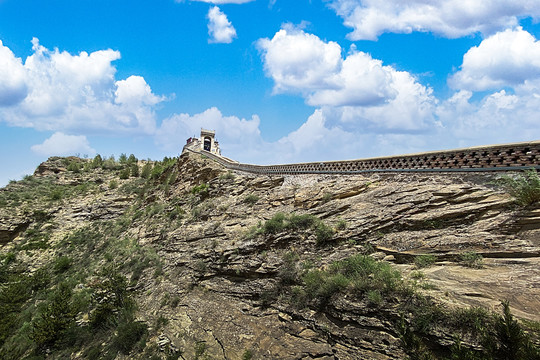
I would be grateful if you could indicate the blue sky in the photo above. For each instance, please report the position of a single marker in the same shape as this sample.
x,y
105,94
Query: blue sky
x,y
280,81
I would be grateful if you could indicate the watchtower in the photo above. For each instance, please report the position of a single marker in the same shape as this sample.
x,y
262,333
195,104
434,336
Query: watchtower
x,y
206,142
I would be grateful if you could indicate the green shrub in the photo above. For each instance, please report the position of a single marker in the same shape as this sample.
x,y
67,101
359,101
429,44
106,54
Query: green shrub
x,y
123,159
321,285
253,232
128,335
35,240
200,350
52,323
324,233
196,213
61,264
74,166
134,170
109,295
110,164
168,162
360,273
201,190
161,321
14,292
176,213
171,178
146,170
302,222
411,342
422,261
35,245
155,209
275,225
460,352
56,194
374,297
87,236
113,184
97,161
247,355
341,225
135,186
433,224
508,340
281,222
124,174
132,159
39,280
41,215
417,275
157,170
368,273
476,318
175,300
327,197
251,199
200,266
8,258
524,187
288,273
93,353
471,259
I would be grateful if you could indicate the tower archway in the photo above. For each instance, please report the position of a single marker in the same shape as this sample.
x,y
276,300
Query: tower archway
x,y
207,145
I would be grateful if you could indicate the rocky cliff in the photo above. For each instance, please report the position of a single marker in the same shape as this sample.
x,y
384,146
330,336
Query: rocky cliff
x,y
184,259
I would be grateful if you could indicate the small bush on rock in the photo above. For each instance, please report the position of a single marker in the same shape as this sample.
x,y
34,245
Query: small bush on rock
x,y
146,170
275,225
524,187
201,190
422,261
129,334
324,233
472,259
251,199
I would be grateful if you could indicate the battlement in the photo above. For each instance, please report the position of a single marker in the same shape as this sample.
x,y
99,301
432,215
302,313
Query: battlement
x,y
505,157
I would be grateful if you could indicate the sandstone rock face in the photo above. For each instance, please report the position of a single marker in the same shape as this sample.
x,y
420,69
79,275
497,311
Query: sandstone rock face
x,y
10,228
218,274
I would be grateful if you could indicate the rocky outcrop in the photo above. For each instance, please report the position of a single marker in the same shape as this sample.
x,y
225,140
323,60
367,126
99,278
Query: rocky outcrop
x,y
10,228
220,282
401,217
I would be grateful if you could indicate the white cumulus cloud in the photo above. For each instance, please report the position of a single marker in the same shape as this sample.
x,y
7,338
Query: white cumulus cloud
x,y
76,93
61,144
508,58
220,28
450,18
300,62
234,134
12,78
499,117
358,86
361,80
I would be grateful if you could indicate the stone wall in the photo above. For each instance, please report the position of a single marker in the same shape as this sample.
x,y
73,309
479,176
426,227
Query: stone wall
x,y
505,157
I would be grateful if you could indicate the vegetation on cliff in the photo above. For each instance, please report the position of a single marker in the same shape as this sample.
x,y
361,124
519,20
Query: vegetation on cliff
x,y
525,188
106,259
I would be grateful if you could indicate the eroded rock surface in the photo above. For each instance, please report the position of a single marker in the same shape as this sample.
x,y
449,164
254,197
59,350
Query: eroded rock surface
x,y
218,274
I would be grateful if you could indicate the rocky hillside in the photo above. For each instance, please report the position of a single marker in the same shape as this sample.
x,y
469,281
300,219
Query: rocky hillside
x,y
182,259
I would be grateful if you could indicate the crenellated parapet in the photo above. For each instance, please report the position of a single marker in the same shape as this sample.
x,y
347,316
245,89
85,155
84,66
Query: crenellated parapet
x,y
506,157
